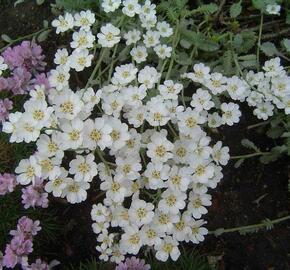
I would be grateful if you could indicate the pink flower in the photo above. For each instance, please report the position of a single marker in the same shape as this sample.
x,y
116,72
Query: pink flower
x,y
19,83
21,244
3,84
5,106
27,55
133,263
7,183
39,265
34,195
41,79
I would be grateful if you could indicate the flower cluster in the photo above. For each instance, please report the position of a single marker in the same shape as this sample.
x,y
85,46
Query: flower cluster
x,y
134,135
269,89
7,183
21,69
21,244
34,195
133,263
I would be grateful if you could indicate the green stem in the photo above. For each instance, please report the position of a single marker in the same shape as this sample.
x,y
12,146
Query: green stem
x,y
259,41
266,223
249,155
101,56
172,130
24,37
112,63
174,45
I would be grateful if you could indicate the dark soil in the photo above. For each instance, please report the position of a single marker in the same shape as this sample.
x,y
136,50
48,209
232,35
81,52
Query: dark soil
x,y
246,195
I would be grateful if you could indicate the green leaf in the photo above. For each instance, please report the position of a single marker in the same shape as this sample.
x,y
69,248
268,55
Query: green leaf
x,y
43,35
183,59
249,144
6,38
244,41
286,43
269,48
201,41
239,163
227,62
275,133
236,9
39,2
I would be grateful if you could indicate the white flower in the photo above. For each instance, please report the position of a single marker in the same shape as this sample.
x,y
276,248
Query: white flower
x,y
159,150
164,29
151,38
38,111
156,174
136,115
75,192
273,68
127,168
63,23
170,90
97,133
189,121
148,76
132,36
131,7
203,171
264,110
109,35
3,66
112,104
61,57
163,51
148,10
168,247
50,167
82,40
197,202
119,133
150,236
27,171
110,5
49,146
134,95
201,100
197,232
139,54
72,136
236,88
38,93
84,20
57,185
67,105
100,213
200,74
79,60
172,201
27,129
216,83
273,9
179,178
157,114
130,240
214,120
10,126
164,222
115,190
231,113
83,168
220,154
59,77
141,212
124,74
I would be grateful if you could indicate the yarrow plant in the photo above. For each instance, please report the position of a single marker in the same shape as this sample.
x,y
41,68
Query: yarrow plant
x,y
131,130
